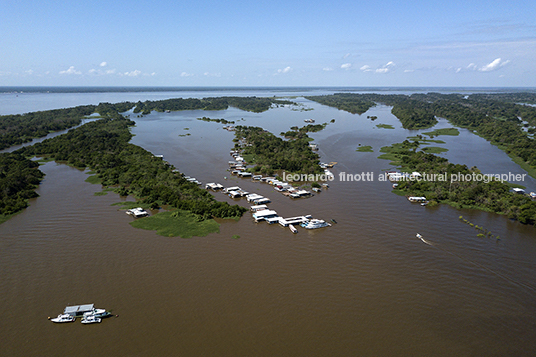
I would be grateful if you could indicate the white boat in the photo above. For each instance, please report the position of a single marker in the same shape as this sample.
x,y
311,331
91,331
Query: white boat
x,y
63,318
418,236
315,223
97,313
292,228
90,319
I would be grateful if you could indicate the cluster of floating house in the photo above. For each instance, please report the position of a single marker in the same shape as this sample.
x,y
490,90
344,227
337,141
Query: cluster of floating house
x,y
238,168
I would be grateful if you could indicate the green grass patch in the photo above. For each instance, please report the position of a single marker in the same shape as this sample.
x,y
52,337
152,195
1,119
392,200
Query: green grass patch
x,y
446,131
177,224
94,179
235,236
366,148
385,126
434,149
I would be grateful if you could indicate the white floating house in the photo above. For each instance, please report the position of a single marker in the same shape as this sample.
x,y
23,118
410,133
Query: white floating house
x,y
261,201
214,186
229,189
258,208
252,197
238,194
417,199
264,215
137,212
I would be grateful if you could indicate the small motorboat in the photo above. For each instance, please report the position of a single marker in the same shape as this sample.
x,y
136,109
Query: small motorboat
x,y
292,228
63,318
418,235
90,319
98,313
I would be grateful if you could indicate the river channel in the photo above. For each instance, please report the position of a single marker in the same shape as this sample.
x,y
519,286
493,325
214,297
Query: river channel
x,y
365,286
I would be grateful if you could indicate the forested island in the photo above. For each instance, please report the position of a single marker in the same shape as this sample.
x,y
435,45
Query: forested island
x,y
486,194
271,153
497,117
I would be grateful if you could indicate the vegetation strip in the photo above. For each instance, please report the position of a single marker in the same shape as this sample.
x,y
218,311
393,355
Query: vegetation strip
x,y
497,117
487,195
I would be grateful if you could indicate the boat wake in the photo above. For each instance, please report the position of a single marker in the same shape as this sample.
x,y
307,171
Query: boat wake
x,y
496,273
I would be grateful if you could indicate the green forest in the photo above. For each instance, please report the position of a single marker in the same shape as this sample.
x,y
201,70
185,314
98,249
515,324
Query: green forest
x,y
497,117
271,153
103,146
492,196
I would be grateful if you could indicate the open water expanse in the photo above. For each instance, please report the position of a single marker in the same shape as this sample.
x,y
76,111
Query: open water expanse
x,y
364,287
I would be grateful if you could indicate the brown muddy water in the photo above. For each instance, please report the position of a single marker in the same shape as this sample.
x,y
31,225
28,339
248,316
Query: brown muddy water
x,y
364,287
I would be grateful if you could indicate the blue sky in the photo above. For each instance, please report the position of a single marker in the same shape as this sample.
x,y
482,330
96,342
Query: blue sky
x,y
268,43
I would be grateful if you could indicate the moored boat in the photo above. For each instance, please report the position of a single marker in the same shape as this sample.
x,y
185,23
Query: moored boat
x,y
293,229
315,223
63,318
90,319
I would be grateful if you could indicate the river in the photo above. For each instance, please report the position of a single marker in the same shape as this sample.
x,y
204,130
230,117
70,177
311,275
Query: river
x,y
364,287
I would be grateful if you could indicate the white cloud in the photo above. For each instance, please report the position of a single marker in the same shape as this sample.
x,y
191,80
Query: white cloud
x,y
30,72
284,70
208,74
471,66
346,55
346,66
71,70
366,68
134,73
386,68
327,69
494,65
103,64
186,74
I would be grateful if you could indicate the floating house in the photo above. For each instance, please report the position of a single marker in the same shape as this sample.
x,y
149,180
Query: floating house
x,y
252,197
416,199
258,208
78,310
238,194
261,201
264,215
214,186
137,212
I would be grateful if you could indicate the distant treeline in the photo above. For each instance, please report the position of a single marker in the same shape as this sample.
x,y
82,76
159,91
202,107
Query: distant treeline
x,y
221,121
251,104
498,117
272,153
21,128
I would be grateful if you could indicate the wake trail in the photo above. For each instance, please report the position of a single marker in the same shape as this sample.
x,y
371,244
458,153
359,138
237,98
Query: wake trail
x,y
494,272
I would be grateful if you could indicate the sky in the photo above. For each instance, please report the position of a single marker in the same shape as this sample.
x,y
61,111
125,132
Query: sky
x,y
470,43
